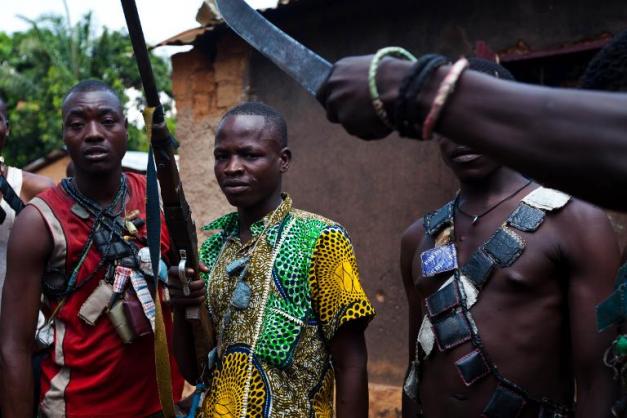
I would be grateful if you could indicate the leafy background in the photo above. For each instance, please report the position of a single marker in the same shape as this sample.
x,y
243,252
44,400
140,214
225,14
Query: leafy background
x,y
38,66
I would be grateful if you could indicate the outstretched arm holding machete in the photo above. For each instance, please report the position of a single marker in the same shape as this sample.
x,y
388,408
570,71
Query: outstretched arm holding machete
x,y
192,326
565,138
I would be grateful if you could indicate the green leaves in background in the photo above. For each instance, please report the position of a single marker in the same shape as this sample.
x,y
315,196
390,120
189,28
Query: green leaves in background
x,y
38,66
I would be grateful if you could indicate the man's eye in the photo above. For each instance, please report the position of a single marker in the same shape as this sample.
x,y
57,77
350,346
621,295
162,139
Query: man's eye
x,y
220,157
250,156
76,125
108,122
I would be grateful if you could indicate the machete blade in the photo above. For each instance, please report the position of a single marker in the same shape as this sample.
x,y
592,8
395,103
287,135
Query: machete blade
x,y
303,65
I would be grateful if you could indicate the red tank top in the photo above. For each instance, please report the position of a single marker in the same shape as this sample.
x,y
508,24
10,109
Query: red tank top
x,y
90,372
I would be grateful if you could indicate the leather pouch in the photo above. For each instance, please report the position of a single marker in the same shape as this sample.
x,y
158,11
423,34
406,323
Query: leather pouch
x,y
96,303
54,283
135,316
438,260
505,247
451,331
504,404
472,367
478,268
120,324
526,218
435,221
443,300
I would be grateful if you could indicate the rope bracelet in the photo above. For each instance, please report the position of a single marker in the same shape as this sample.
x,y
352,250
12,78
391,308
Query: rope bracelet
x,y
377,103
444,93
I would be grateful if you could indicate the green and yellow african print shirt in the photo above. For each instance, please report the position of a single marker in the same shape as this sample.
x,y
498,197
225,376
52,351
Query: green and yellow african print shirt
x,y
273,357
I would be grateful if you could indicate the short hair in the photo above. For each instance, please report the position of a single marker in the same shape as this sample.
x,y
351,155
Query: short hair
x,y
490,68
89,86
271,116
608,68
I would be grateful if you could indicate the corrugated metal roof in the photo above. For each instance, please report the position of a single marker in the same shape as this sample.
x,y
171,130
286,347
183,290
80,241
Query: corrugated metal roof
x,y
209,19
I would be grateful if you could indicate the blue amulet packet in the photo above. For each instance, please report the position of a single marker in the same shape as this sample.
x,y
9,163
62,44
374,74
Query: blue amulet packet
x,y
438,260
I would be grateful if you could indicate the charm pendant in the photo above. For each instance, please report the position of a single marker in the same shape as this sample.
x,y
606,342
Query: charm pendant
x,y
241,296
475,220
236,266
439,260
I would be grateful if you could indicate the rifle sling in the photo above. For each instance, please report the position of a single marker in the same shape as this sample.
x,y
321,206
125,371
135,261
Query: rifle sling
x,y
153,227
9,195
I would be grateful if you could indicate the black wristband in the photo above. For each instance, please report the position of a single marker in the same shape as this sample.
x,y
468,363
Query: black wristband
x,y
406,121
400,107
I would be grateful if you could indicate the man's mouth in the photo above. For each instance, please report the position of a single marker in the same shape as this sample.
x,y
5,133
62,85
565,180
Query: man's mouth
x,y
96,154
235,187
465,158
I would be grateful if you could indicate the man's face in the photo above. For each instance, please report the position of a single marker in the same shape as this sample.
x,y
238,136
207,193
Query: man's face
x,y
249,160
94,131
467,164
4,124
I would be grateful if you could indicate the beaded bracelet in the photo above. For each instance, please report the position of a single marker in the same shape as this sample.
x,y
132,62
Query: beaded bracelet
x,y
444,92
377,103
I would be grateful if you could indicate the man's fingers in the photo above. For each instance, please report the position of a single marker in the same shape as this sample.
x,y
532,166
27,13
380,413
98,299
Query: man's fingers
x,y
189,272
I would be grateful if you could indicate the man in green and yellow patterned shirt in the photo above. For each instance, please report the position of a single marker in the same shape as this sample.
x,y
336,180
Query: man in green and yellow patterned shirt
x,y
283,288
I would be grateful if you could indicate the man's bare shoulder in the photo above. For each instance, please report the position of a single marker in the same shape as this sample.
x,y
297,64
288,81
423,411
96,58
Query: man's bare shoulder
x,y
579,215
30,233
33,184
413,235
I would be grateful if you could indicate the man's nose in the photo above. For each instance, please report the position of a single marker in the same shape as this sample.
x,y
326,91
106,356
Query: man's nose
x,y
93,132
234,166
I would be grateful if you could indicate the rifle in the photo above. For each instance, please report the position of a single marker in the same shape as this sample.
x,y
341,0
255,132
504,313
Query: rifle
x,y
177,212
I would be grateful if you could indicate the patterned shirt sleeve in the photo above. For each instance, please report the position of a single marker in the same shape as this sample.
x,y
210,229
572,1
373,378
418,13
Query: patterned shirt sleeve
x,y
337,295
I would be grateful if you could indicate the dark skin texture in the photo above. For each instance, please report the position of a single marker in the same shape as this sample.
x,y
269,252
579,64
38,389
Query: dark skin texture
x,y
537,317
249,165
94,131
568,139
32,184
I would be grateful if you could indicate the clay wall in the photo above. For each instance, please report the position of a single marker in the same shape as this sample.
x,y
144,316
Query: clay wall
x,y
375,189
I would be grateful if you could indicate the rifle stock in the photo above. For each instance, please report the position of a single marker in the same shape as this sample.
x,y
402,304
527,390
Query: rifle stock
x,y
178,216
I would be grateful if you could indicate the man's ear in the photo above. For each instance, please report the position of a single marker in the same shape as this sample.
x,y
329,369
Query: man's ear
x,y
285,156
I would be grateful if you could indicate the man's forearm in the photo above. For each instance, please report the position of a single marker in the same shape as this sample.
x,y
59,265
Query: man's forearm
x,y
351,392
572,140
17,379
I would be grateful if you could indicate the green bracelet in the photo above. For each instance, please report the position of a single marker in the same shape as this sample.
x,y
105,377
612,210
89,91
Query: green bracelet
x,y
377,103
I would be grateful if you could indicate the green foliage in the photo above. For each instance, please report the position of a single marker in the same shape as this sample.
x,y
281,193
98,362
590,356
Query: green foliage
x,y
38,66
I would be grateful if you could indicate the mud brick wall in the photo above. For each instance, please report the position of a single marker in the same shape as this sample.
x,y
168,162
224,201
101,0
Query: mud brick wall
x,y
205,89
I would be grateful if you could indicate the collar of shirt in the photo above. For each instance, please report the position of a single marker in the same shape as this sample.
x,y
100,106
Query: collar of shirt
x,y
229,224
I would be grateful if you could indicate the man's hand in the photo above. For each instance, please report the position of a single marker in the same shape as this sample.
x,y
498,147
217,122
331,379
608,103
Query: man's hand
x,y
160,132
346,95
197,289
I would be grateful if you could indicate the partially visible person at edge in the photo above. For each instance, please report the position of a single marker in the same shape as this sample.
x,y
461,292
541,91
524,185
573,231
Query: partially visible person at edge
x,y
283,289
26,186
72,243
502,284
570,139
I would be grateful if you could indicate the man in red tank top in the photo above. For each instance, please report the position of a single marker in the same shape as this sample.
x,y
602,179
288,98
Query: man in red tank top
x,y
85,238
